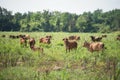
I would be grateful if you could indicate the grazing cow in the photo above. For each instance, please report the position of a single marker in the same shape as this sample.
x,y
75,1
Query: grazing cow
x,y
74,37
118,37
17,36
49,36
93,38
23,42
104,35
94,46
70,44
21,36
12,36
3,36
36,49
24,36
45,40
32,45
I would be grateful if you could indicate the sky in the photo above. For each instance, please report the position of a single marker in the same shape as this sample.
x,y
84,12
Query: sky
x,y
72,6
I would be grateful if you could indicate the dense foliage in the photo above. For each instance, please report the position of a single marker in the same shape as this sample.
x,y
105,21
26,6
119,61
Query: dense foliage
x,y
56,21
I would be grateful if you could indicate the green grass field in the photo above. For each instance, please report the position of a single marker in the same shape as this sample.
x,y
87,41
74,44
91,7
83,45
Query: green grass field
x,y
21,63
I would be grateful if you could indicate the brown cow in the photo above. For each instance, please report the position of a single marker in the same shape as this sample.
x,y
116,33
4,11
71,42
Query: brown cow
x,y
94,46
12,36
45,40
36,49
118,38
49,36
74,37
21,36
27,36
24,36
23,42
70,44
32,45
93,38
32,42
104,36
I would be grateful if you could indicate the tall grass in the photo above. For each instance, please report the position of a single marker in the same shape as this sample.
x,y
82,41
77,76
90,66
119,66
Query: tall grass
x,y
21,63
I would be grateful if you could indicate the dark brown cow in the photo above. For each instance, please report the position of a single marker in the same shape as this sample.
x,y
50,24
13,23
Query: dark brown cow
x,y
104,36
45,40
70,44
93,38
94,46
13,36
16,36
3,36
32,45
32,42
118,37
21,36
74,37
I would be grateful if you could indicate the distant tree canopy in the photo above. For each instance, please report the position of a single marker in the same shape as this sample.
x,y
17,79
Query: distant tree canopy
x,y
56,21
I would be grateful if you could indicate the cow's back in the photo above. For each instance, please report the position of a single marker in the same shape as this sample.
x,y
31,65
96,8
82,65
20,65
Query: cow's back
x,y
96,46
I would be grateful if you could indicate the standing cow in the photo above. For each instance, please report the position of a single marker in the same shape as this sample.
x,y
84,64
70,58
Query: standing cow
x,y
23,42
70,44
32,45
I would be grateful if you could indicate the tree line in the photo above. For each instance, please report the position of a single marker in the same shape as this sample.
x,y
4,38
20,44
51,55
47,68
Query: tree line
x,y
97,21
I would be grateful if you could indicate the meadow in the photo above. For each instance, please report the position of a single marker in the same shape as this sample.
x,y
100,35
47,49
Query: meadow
x,y
21,63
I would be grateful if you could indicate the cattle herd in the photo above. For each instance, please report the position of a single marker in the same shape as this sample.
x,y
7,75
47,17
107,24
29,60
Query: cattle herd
x,y
69,42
